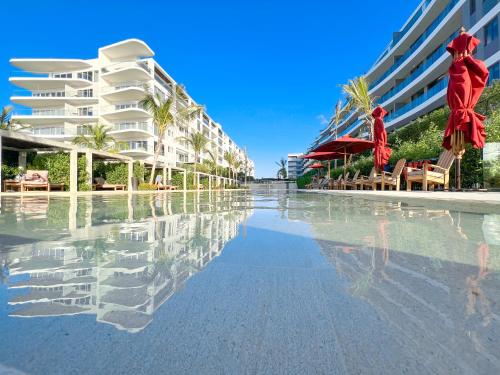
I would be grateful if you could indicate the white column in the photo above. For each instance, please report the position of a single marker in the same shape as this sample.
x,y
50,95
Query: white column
x,y
73,171
210,182
185,180
169,173
130,174
88,157
21,161
164,175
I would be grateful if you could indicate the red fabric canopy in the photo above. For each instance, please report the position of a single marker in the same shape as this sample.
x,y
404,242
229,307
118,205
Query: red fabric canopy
x,y
468,77
345,144
324,156
316,166
381,153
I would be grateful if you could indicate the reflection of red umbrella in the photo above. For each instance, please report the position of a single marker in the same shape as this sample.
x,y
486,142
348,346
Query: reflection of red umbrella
x,y
345,145
381,153
468,77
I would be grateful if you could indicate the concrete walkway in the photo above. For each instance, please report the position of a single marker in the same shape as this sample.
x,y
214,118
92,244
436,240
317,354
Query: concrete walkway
x,y
471,201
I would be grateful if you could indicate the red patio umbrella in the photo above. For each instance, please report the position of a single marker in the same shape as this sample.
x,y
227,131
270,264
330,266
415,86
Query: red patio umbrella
x,y
345,145
382,153
325,156
316,166
468,78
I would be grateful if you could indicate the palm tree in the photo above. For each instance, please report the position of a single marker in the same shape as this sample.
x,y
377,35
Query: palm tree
x,y
230,158
213,162
165,113
339,111
237,164
6,122
199,142
357,90
97,137
282,171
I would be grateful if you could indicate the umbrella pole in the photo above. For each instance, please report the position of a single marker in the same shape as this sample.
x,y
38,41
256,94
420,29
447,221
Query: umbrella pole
x,y
329,169
458,177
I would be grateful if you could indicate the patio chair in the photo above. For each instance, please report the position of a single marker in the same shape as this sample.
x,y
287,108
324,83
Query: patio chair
x,y
344,178
35,180
393,180
101,184
366,181
323,184
351,183
432,174
335,184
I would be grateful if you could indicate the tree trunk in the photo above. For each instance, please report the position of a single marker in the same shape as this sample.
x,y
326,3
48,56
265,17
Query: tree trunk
x,y
155,158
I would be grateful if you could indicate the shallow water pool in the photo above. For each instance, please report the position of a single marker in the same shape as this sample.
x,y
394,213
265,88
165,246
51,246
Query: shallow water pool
x,y
236,283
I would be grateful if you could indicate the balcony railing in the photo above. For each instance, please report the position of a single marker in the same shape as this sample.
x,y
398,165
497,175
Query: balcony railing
x,y
441,85
126,65
437,54
488,5
47,131
133,146
123,126
421,39
124,85
88,93
123,106
54,112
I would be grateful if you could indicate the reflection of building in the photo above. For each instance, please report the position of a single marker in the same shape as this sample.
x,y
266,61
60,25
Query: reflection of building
x,y
410,77
61,95
120,272
295,165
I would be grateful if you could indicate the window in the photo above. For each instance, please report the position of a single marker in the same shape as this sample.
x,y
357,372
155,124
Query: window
x,y
494,73
85,75
63,75
472,6
87,93
491,31
85,111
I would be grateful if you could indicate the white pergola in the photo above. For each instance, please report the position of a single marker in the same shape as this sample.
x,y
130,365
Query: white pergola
x,y
24,143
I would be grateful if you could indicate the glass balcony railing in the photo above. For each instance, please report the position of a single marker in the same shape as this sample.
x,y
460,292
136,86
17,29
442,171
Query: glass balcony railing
x,y
421,39
126,65
123,126
133,146
488,5
123,106
124,85
410,24
54,112
423,67
47,131
441,85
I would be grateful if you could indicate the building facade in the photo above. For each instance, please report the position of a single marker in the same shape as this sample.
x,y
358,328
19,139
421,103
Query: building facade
x,y
295,165
410,77
61,95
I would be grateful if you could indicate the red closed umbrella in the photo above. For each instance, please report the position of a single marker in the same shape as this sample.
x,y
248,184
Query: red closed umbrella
x,y
468,78
382,153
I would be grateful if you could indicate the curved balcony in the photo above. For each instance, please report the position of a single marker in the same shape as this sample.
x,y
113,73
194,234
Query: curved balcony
x,y
424,37
127,71
53,98
123,111
135,148
50,116
133,129
124,91
47,83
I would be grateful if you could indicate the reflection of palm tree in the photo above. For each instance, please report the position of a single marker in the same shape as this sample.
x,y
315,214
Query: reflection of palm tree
x,y
4,272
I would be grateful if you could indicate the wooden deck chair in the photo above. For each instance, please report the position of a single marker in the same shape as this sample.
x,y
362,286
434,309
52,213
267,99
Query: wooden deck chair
x,y
351,183
366,181
393,180
432,174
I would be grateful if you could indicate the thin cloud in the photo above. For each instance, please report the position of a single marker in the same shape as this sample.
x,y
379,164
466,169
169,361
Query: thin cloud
x,y
322,119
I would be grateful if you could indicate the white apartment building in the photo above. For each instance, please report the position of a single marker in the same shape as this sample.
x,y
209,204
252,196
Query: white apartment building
x,y
61,95
295,165
410,77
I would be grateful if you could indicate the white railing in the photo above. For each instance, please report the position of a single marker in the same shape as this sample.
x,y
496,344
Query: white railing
x,y
47,131
123,106
124,126
124,85
126,65
134,146
51,112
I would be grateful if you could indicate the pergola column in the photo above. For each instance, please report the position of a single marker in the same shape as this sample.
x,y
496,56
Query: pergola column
x,y
209,182
21,160
1,177
197,181
169,174
164,175
130,174
89,161
73,171
184,180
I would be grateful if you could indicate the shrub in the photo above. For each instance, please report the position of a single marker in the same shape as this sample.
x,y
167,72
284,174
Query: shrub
x,y
117,173
146,186
9,172
139,172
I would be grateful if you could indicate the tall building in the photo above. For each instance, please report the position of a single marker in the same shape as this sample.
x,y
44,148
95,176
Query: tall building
x,y
410,77
61,95
295,165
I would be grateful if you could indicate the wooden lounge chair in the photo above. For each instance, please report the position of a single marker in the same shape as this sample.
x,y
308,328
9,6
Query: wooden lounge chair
x,y
35,180
432,174
390,179
334,184
351,183
344,178
366,181
101,184
323,184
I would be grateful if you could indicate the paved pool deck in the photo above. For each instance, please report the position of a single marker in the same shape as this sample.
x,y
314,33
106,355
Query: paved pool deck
x,y
471,201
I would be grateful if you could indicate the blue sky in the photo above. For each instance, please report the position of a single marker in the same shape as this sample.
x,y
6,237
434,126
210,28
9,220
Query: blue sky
x,y
268,71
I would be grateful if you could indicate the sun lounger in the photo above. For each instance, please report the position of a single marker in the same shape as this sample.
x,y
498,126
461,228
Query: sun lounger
x,y
101,184
351,183
393,180
34,180
366,181
432,175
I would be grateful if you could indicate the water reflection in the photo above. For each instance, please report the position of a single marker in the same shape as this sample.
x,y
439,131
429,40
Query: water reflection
x,y
432,275
118,259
